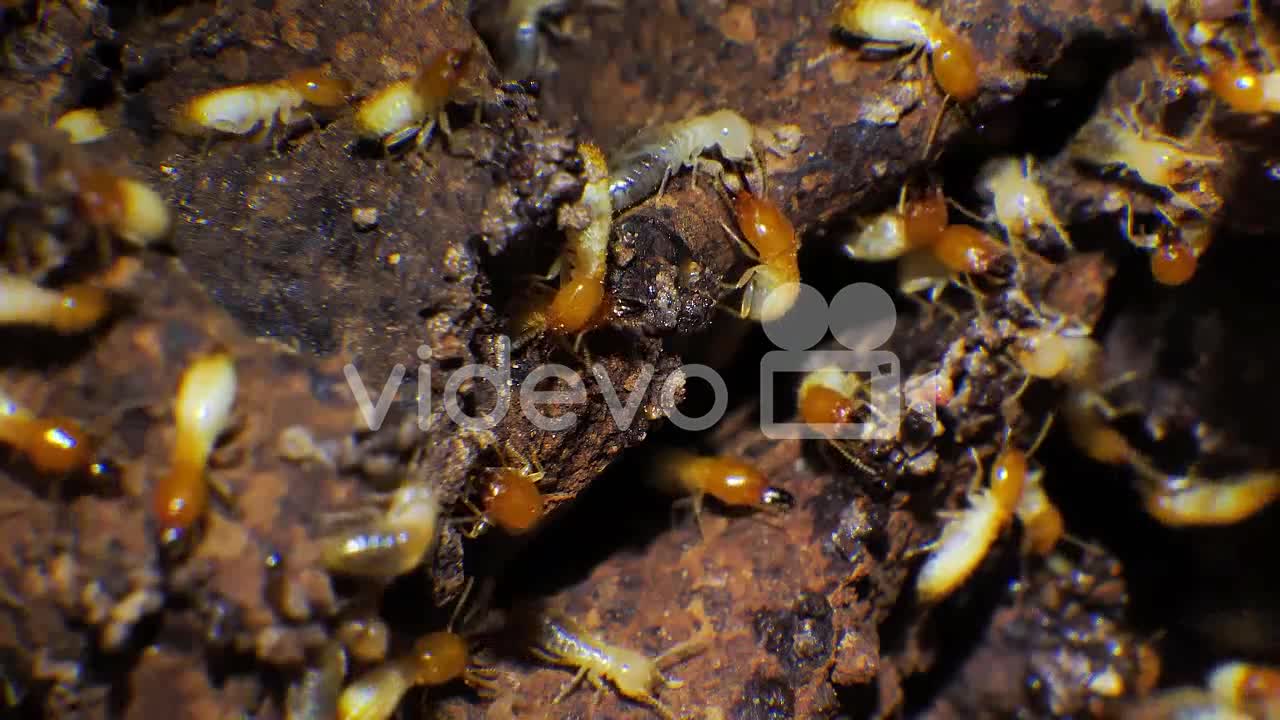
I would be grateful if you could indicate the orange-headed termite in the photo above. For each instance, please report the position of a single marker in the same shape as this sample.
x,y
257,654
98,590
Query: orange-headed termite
x,y
769,238
912,224
128,208
72,309
510,497
905,24
436,658
730,480
1118,140
239,109
414,105
206,395
969,534
582,268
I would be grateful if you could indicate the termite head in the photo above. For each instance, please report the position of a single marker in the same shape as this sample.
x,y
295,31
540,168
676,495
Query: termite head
x,y
1008,478
827,396
512,500
443,74
61,446
766,228
925,218
576,305
955,64
439,657
1173,263
366,638
317,86
80,308
966,249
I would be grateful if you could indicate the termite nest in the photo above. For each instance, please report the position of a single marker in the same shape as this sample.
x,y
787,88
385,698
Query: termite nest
x,y
352,360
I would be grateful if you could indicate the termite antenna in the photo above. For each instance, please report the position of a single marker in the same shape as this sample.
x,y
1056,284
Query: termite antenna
x,y
933,128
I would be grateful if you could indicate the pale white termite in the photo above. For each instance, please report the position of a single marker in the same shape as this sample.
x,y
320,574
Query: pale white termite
x,y
392,544
642,166
1019,202
561,641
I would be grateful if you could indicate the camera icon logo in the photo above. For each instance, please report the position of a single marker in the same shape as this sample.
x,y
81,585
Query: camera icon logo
x,y
862,318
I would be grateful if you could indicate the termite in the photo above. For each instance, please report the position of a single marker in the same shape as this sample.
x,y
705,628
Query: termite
x,y
969,534
731,481
1182,501
561,641
912,224
436,658
414,105
1119,141
239,109
771,286
1247,687
583,266
1019,202
392,544
645,164
128,208
202,411
510,498
902,24
69,310
52,445
82,125
1076,360
315,694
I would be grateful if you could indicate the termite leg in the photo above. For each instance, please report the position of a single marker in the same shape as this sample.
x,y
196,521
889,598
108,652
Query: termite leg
x,y
747,250
570,686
